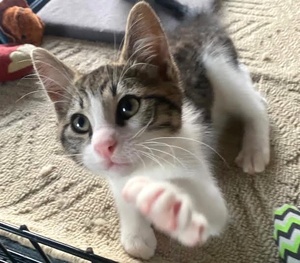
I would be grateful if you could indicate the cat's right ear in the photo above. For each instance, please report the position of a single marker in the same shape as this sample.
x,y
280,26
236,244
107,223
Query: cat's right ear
x,y
146,43
55,77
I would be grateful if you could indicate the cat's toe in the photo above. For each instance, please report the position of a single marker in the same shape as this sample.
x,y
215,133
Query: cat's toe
x,y
195,232
253,159
160,203
140,245
133,187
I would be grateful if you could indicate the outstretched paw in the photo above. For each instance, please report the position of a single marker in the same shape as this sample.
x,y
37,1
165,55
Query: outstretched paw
x,y
168,209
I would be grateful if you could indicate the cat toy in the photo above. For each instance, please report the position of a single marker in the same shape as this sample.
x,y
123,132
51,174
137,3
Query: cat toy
x,y
20,30
287,233
19,23
15,61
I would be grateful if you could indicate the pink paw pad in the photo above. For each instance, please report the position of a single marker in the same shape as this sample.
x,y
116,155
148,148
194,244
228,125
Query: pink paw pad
x,y
196,232
133,188
160,206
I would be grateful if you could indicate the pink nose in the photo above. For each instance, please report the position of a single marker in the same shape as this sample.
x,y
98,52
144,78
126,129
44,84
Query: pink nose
x,y
106,148
104,142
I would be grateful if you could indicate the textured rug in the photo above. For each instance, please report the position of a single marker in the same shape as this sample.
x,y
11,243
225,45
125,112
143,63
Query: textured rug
x,y
41,188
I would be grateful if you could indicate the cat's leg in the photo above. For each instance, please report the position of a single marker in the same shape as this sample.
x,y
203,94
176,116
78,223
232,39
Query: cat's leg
x,y
137,236
186,209
234,94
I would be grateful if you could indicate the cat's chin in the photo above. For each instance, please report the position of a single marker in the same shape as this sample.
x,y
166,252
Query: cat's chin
x,y
107,168
117,167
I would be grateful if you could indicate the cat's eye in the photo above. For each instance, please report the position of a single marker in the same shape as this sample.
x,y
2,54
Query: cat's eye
x,y
80,123
128,106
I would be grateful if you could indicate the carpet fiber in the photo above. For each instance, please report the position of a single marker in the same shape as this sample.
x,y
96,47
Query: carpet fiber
x,y
41,188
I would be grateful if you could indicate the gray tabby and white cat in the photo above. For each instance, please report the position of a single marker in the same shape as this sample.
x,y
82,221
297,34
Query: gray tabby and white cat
x,y
141,121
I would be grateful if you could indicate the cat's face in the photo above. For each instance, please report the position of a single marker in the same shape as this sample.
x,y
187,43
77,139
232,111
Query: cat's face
x,y
107,117
112,115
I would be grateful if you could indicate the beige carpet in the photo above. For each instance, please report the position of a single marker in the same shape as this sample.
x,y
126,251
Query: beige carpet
x,y
40,187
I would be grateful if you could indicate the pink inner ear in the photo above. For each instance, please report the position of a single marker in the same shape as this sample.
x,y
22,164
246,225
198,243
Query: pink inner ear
x,y
56,95
104,142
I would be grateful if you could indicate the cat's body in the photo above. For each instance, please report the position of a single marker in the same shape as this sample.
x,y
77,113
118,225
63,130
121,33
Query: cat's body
x,y
141,122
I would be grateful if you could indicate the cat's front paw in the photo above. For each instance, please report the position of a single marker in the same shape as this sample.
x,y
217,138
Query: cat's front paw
x,y
168,209
141,244
254,156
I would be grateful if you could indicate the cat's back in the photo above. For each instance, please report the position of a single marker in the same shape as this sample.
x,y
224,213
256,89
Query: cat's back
x,y
194,38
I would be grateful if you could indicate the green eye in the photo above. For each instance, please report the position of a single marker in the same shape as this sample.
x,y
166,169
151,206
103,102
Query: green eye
x,y
80,123
127,107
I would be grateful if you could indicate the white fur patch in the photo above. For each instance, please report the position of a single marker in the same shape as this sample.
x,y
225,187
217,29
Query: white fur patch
x,y
97,112
234,94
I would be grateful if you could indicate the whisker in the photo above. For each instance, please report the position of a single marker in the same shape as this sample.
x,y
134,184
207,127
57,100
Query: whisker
x,y
60,101
142,130
24,60
151,158
126,68
114,69
31,76
140,159
174,158
180,148
65,75
71,155
129,61
107,73
191,139
27,94
55,82
163,152
156,157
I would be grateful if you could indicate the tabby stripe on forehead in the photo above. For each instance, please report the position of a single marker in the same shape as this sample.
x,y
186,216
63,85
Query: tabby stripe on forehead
x,y
103,86
82,90
161,99
113,89
81,102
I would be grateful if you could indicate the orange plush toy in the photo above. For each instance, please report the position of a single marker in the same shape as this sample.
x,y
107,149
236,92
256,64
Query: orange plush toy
x,y
19,23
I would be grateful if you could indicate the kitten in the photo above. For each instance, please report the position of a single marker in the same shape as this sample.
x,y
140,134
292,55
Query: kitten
x,y
141,122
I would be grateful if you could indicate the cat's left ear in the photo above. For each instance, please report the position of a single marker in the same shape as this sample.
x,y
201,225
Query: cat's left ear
x,y
55,77
146,42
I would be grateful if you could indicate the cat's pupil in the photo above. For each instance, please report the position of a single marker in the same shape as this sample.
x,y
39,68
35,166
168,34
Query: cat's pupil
x,y
128,106
81,122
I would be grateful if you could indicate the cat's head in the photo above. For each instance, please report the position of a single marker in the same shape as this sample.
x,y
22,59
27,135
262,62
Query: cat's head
x,y
107,117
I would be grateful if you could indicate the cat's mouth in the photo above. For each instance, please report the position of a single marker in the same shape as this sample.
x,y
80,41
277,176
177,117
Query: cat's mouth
x,y
110,165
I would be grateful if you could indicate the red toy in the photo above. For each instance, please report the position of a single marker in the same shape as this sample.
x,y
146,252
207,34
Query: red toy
x,y
15,61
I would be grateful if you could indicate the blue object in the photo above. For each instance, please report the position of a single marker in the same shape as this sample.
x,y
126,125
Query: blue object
x,y
3,38
37,5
